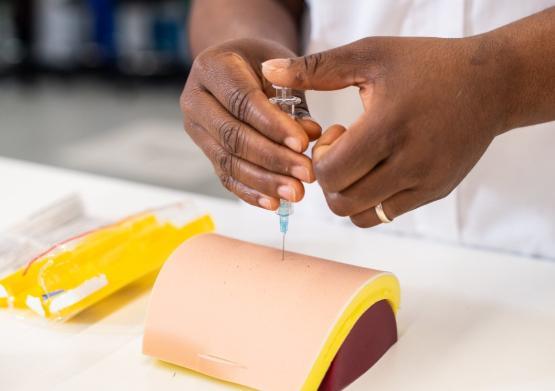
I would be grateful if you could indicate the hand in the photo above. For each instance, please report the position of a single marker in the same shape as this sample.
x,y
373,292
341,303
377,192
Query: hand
x,y
431,108
255,148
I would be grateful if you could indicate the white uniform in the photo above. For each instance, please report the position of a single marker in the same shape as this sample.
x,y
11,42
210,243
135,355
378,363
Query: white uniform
x,y
507,202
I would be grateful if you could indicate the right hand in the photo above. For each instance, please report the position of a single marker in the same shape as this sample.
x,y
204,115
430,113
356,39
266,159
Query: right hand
x,y
256,149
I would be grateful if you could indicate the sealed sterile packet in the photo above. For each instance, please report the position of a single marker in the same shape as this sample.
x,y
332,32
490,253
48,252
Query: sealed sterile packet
x,y
64,218
73,273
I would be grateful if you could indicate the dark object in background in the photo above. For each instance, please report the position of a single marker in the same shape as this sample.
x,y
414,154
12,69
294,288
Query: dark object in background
x,y
24,26
113,39
16,37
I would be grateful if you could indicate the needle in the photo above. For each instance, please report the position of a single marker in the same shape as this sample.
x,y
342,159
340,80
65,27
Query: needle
x,y
283,247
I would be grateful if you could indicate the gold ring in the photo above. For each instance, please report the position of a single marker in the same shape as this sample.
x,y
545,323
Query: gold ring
x,y
381,214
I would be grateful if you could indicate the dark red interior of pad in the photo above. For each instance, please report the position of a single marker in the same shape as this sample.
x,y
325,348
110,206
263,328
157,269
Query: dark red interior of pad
x,y
369,339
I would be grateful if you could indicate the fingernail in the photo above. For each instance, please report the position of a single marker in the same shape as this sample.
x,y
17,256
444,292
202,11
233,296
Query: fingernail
x,y
265,203
277,64
301,173
293,143
286,192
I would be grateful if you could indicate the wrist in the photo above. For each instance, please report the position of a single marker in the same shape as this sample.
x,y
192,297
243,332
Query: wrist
x,y
495,64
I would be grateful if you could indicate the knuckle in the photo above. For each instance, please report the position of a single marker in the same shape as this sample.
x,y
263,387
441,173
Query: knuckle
x,y
225,163
263,181
274,162
202,62
324,176
188,126
430,191
211,151
222,160
190,98
443,192
231,163
232,136
310,65
390,140
319,171
361,48
186,101
408,179
412,177
229,56
368,50
239,103
338,204
226,181
415,171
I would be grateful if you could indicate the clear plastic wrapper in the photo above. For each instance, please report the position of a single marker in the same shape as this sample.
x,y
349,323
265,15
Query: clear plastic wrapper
x,y
59,280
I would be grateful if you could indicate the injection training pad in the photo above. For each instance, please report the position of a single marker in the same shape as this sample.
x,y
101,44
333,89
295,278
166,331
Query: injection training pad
x,y
236,311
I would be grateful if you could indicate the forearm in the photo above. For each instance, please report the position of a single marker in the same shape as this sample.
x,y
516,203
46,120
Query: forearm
x,y
525,51
216,21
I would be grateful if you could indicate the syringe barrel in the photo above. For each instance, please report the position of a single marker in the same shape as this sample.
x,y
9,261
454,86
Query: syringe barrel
x,y
283,224
285,208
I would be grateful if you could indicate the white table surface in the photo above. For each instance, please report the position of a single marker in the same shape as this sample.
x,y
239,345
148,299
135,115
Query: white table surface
x,y
469,319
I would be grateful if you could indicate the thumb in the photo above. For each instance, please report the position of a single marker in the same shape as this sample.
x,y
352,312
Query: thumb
x,y
330,70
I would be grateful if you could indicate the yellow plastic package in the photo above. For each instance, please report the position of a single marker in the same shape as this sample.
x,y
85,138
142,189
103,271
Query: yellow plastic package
x,y
80,271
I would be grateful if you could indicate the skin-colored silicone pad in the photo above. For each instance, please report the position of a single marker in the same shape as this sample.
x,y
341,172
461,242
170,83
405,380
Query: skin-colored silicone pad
x,y
236,311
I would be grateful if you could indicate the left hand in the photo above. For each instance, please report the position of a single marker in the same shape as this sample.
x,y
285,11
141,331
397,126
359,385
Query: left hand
x,y
431,108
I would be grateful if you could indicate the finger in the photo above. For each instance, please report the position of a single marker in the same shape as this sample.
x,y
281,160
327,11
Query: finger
x,y
354,154
274,185
380,184
326,140
234,84
329,70
247,194
302,114
311,127
226,165
393,207
241,140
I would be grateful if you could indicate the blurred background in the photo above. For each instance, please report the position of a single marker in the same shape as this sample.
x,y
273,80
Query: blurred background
x,y
94,85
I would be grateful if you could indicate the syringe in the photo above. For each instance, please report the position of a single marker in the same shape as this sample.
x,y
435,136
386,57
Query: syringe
x,y
284,211
286,102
